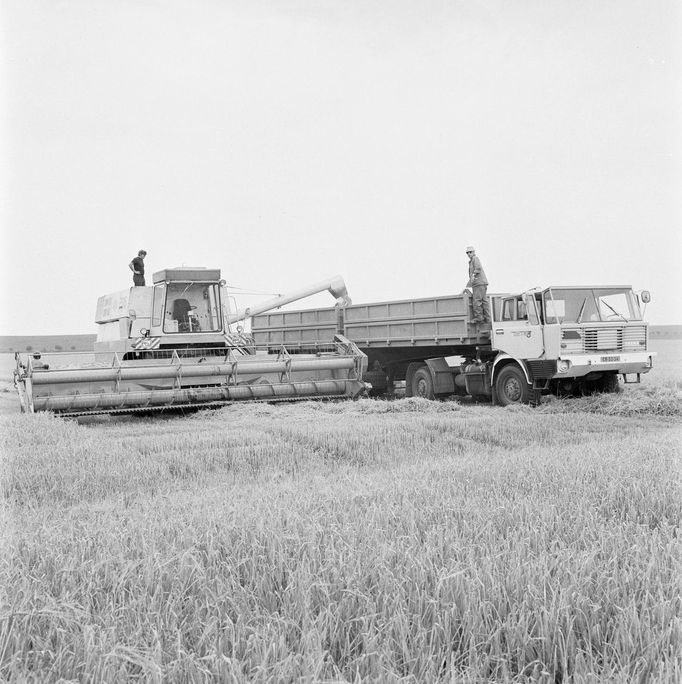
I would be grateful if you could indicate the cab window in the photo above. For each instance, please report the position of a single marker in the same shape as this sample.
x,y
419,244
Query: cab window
x,y
531,310
192,308
159,298
509,310
514,310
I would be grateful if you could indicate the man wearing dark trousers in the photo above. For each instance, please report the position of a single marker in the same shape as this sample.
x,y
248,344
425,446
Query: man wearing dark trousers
x,y
137,267
479,287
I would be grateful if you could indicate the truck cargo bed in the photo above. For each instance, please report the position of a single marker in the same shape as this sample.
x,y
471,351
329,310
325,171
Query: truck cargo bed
x,y
430,322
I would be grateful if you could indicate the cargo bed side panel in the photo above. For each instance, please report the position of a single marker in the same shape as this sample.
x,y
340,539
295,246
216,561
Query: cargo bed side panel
x,y
435,321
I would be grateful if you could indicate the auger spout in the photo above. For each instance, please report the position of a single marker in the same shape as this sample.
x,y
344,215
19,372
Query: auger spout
x,y
336,286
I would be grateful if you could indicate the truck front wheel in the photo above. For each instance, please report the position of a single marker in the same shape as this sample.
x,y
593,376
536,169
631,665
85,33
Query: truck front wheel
x,y
511,386
608,383
422,383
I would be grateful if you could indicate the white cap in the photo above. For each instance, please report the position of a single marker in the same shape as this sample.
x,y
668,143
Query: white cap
x,y
470,249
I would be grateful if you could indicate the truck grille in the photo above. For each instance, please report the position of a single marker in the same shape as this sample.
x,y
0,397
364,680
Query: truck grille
x,y
594,340
542,368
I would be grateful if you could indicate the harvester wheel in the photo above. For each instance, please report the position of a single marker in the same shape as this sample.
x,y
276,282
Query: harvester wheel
x,y
379,381
511,386
422,383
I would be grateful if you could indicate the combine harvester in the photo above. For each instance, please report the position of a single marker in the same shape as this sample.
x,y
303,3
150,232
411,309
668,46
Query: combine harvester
x,y
175,345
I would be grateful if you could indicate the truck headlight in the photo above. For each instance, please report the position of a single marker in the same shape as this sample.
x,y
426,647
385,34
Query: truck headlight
x,y
563,366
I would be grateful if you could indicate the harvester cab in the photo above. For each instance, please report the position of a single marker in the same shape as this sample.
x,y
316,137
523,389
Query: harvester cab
x,y
183,309
171,345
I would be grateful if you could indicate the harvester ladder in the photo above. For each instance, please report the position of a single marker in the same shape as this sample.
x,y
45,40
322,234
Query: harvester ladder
x,y
177,382
283,355
116,364
229,359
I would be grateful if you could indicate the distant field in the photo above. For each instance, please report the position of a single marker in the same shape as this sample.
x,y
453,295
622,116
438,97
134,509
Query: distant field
x,y
46,343
667,363
671,332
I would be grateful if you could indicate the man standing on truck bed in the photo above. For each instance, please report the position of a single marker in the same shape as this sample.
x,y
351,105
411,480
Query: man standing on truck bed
x,y
137,267
479,287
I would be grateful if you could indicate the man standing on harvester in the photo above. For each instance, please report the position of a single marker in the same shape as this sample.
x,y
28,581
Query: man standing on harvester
x,y
137,267
479,287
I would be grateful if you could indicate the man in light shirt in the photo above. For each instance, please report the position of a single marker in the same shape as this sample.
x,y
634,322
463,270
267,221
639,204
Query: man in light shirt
x,y
479,288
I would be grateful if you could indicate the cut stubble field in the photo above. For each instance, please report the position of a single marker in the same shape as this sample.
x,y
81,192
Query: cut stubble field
x,y
408,541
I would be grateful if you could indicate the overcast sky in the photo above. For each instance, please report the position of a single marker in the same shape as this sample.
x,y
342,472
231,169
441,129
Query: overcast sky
x,y
285,141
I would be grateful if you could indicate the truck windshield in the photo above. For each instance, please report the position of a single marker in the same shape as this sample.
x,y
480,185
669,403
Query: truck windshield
x,y
589,305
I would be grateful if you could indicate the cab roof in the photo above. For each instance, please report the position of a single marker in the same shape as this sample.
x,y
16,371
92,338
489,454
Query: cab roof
x,y
186,274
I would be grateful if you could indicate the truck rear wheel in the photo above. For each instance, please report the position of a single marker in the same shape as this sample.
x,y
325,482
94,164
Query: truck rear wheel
x,y
511,386
422,383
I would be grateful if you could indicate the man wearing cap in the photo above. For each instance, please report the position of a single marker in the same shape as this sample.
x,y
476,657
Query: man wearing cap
x,y
479,287
137,267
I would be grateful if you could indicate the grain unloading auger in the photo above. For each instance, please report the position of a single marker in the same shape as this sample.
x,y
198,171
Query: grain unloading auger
x,y
173,345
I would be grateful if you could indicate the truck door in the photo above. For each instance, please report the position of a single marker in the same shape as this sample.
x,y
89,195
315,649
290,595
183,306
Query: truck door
x,y
519,332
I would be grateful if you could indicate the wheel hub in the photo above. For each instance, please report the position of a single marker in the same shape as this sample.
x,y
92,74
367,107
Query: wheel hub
x,y
512,389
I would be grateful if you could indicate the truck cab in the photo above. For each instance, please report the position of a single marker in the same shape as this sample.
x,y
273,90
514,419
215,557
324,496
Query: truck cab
x,y
574,338
518,329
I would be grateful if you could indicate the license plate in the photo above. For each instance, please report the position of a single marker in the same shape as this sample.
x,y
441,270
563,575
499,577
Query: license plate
x,y
609,359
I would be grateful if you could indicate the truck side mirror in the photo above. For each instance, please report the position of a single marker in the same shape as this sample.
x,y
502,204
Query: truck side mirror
x,y
646,296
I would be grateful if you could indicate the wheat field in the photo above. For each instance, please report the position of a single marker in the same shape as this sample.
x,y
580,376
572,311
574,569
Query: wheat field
x,y
404,541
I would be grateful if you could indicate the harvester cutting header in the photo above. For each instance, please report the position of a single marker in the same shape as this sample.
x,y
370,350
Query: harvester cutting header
x,y
174,345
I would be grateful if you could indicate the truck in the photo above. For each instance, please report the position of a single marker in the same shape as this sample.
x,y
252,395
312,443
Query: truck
x,y
566,340
180,344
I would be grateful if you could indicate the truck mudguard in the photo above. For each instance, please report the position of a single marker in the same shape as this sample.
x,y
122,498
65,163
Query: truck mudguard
x,y
504,357
443,378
